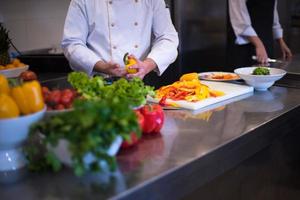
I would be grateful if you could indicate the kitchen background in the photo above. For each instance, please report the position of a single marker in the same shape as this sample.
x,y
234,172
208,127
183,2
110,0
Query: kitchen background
x,y
36,29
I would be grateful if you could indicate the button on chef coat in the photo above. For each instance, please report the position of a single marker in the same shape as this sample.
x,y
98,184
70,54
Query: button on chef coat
x,y
105,30
241,22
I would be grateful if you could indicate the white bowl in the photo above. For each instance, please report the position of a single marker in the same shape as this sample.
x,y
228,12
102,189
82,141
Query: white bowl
x,y
13,133
63,154
15,72
260,82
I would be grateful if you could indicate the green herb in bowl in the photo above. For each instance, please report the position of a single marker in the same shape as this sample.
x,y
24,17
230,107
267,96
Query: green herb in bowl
x,y
89,131
261,71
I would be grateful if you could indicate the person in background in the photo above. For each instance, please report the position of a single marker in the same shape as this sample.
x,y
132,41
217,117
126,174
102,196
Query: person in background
x,y
97,34
253,26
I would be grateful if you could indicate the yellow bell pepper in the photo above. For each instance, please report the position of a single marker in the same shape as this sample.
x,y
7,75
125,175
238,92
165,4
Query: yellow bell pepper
x,y
189,77
8,107
129,62
4,87
28,97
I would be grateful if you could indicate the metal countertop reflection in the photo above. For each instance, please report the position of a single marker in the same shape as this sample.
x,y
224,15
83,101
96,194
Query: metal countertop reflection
x,y
193,148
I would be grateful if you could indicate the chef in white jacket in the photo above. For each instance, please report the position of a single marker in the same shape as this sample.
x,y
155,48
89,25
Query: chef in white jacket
x,y
253,27
98,33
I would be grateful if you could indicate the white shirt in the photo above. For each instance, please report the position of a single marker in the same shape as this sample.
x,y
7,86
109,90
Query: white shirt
x,y
106,29
241,22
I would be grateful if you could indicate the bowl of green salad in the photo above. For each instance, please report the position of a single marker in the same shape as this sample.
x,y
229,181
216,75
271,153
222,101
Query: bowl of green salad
x,y
261,78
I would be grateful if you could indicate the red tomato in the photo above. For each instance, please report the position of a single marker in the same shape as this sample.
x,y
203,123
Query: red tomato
x,y
54,97
66,99
154,118
67,92
75,93
28,76
132,141
45,90
59,107
49,108
70,105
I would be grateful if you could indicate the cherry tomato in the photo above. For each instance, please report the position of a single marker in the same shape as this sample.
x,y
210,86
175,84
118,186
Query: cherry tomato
x,y
45,93
28,76
59,107
66,99
54,97
67,92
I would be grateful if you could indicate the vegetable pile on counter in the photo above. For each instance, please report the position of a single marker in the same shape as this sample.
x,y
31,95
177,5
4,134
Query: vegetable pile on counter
x,y
91,127
102,114
188,88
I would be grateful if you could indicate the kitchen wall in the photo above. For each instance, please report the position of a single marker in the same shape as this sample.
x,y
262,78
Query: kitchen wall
x,y
34,24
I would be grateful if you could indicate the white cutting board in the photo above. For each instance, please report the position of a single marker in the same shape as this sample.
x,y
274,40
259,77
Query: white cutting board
x,y
231,90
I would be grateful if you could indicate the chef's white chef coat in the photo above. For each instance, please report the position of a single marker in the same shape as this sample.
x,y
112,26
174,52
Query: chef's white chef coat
x,y
106,29
241,22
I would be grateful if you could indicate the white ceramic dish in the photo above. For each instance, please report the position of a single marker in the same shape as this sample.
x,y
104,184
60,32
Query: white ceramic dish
x,y
15,72
210,76
260,82
13,132
63,154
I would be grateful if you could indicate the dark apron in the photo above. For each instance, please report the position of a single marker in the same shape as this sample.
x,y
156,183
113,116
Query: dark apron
x,y
262,16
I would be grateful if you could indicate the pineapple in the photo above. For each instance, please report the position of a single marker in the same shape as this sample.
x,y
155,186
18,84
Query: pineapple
x,y
4,46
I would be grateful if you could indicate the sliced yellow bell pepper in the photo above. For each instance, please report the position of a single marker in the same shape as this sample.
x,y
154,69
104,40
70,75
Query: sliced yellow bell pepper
x,y
189,77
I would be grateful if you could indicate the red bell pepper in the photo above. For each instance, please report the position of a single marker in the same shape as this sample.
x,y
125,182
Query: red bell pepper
x,y
133,137
154,118
129,143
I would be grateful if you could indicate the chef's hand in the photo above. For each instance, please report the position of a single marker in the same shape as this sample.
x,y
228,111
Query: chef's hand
x,y
142,67
109,68
286,52
261,53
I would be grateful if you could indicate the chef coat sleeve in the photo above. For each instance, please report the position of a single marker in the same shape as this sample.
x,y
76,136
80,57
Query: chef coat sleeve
x,y
277,29
240,21
165,42
74,40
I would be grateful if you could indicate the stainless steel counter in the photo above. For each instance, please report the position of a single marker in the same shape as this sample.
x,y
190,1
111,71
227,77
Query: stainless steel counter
x,y
192,149
292,78
293,66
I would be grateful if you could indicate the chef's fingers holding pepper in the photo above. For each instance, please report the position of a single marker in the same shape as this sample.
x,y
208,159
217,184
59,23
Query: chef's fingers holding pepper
x,y
110,68
142,67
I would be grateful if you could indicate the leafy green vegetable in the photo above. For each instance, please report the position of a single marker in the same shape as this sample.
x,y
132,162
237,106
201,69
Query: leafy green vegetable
x,y
261,71
133,91
86,86
91,127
